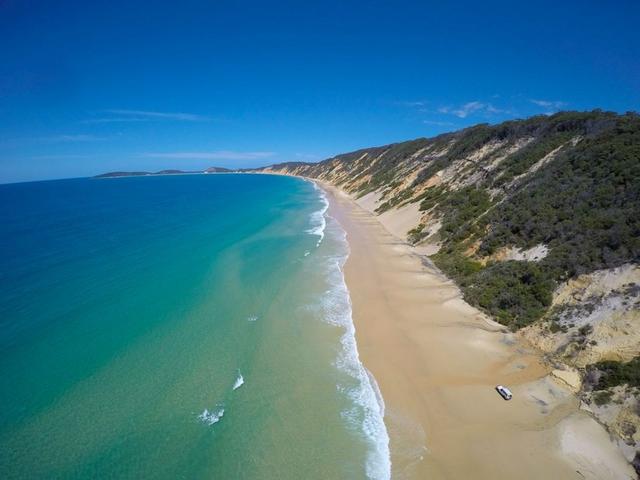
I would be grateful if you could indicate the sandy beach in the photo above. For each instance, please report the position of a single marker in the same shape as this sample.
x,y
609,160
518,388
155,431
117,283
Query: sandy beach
x,y
437,361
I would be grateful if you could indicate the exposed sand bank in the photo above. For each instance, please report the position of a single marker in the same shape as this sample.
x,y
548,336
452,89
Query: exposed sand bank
x,y
437,360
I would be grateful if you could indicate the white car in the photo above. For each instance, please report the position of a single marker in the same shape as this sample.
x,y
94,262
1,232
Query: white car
x,y
504,392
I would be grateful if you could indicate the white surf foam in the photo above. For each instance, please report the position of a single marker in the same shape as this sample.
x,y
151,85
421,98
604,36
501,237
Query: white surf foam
x,y
317,218
212,417
367,411
239,381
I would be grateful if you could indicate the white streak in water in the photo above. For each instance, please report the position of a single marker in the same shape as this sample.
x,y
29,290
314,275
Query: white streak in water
x,y
239,381
318,220
211,417
252,318
367,413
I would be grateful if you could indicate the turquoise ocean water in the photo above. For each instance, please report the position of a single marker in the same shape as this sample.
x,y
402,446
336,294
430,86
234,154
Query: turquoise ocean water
x,y
180,327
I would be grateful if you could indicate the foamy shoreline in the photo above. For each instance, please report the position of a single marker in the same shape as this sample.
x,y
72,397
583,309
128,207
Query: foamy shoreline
x,y
366,396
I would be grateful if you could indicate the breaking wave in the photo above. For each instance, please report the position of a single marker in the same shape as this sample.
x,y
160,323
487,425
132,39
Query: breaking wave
x,y
317,218
366,413
212,417
239,381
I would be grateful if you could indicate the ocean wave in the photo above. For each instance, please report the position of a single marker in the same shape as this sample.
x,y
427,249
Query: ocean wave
x,y
212,417
376,391
317,218
366,414
239,381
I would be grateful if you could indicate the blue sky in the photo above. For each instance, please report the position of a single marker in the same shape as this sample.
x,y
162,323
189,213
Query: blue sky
x,y
88,87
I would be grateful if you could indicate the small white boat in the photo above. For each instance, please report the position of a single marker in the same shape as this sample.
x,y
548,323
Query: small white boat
x,y
504,392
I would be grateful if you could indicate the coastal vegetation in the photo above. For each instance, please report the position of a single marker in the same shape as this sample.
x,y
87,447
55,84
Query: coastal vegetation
x,y
609,373
569,182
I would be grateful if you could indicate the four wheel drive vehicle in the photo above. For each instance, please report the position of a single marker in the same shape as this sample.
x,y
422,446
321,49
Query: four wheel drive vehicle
x,y
504,392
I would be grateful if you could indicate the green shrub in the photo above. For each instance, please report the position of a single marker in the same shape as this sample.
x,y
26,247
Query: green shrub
x,y
612,373
583,205
431,197
457,266
602,397
460,212
555,327
515,293
416,234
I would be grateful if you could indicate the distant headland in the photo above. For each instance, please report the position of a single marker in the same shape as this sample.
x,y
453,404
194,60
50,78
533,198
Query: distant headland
x,y
162,172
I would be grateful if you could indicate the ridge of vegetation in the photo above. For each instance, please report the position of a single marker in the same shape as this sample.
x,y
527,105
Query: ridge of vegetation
x,y
568,181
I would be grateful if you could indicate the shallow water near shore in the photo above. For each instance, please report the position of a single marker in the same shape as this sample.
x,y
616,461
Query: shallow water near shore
x,y
180,327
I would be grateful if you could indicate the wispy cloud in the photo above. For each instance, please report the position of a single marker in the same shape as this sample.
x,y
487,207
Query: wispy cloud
x,y
548,103
410,103
551,106
64,156
125,115
70,138
438,123
215,155
115,120
185,117
472,108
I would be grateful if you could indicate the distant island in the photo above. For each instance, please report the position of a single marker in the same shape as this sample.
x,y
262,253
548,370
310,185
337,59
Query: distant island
x,y
162,172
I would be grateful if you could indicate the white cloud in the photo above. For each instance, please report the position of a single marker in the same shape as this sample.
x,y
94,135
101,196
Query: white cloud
x,y
472,108
438,123
549,104
115,120
405,103
215,155
125,115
